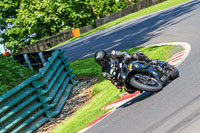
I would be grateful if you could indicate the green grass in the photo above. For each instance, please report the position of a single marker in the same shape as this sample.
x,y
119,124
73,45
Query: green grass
x,y
140,13
104,92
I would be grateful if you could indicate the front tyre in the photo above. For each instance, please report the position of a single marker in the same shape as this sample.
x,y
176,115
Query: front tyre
x,y
174,73
145,83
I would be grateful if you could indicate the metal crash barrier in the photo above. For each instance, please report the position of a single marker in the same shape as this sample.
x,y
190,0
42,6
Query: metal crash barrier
x,y
33,60
39,98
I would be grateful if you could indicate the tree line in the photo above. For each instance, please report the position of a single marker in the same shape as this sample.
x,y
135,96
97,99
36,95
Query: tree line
x,y
24,22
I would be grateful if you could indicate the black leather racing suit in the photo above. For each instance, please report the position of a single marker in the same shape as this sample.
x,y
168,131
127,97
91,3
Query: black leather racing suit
x,y
111,70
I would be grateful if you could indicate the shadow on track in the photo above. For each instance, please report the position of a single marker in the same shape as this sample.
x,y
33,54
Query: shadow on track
x,y
139,98
143,96
128,34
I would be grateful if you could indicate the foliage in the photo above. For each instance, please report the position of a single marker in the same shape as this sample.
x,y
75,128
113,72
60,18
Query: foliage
x,y
102,8
25,22
38,19
7,11
11,73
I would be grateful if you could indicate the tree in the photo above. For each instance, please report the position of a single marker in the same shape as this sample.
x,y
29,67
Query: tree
x,y
102,8
37,19
24,22
7,13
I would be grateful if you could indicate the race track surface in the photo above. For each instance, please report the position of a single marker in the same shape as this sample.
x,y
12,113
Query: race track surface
x,y
177,107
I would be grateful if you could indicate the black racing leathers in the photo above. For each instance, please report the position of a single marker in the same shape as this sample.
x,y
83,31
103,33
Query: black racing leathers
x,y
111,71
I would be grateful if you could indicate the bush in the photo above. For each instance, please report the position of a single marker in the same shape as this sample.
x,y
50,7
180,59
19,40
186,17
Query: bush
x,y
11,73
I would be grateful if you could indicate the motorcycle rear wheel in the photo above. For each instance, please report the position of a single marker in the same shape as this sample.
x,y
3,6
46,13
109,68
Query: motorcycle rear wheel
x,y
144,87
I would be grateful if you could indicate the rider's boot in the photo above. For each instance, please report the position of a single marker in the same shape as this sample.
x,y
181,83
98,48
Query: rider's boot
x,y
120,88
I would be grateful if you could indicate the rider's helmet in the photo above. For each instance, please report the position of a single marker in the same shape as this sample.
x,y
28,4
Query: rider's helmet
x,y
101,57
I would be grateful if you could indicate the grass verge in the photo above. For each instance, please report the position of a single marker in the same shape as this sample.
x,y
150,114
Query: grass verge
x,y
104,92
158,7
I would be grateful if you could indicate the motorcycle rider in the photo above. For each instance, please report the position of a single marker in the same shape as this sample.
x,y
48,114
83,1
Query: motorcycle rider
x,y
110,63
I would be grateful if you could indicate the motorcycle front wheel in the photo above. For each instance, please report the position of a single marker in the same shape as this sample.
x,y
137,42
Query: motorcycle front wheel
x,y
173,71
145,83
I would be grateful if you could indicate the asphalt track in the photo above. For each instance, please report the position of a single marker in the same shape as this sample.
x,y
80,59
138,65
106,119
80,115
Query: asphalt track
x,y
177,107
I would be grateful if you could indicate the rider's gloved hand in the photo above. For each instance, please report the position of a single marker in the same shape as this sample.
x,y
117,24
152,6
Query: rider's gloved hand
x,y
139,53
155,61
127,57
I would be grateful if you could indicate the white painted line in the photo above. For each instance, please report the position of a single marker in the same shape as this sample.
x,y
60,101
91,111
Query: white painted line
x,y
110,112
175,59
116,105
124,97
178,55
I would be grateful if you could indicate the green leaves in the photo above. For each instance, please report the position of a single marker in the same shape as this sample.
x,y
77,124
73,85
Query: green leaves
x,y
26,22
103,8
11,73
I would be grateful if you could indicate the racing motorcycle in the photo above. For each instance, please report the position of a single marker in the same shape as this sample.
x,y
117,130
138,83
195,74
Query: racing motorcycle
x,y
143,76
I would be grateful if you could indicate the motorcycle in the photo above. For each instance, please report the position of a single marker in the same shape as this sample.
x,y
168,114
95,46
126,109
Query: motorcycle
x,y
143,76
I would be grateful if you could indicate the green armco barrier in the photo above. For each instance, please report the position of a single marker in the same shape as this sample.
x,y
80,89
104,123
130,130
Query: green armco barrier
x,y
38,99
